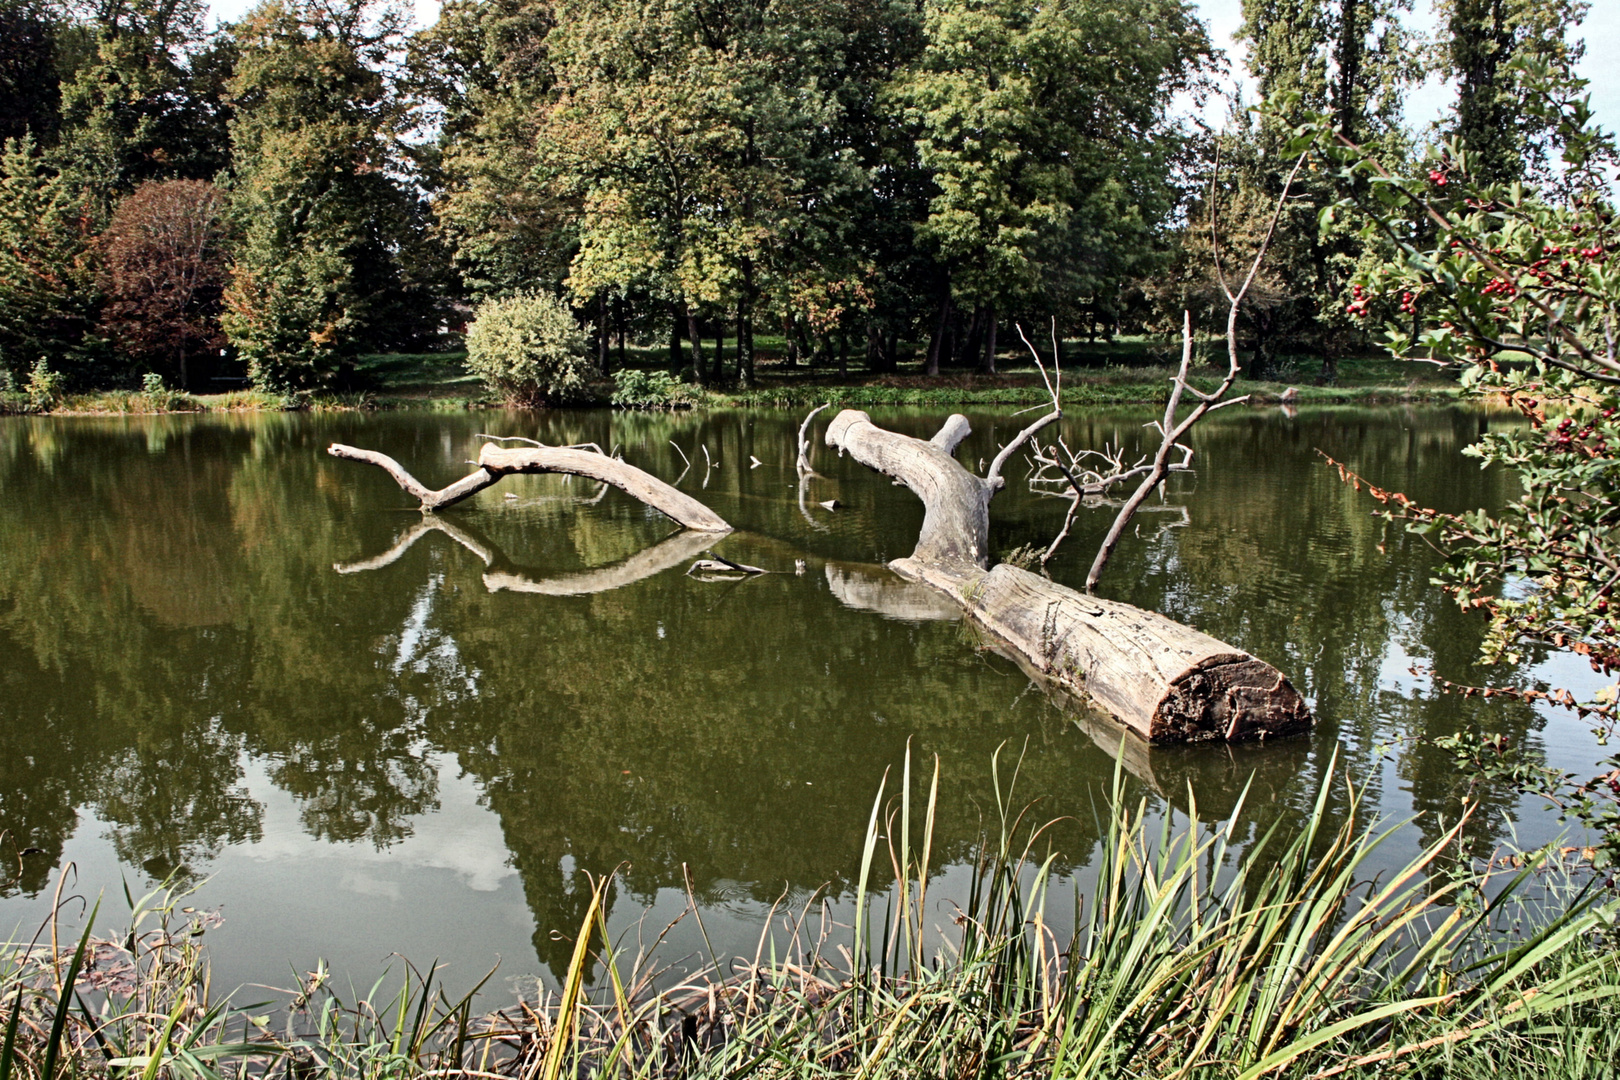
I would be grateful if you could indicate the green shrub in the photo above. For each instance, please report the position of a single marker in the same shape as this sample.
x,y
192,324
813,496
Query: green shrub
x,y
635,389
44,386
529,350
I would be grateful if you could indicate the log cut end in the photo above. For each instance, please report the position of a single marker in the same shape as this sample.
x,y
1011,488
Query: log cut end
x,y
1233,697
1165,681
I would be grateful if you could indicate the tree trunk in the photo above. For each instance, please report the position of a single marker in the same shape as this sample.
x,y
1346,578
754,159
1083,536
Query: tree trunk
x,y
745,327
937,342
969,339
790,336
1165,681
602,331
696,338
676,361
618,314
989,366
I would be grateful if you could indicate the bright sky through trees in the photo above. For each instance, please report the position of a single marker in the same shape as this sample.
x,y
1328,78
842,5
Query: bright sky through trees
x,y
1601,30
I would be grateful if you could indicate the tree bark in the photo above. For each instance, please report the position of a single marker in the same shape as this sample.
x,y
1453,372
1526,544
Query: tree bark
x,y
696,337
937,342
989,365
1165,681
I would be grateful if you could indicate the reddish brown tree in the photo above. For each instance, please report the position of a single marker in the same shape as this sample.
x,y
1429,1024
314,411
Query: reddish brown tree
x,y
164,272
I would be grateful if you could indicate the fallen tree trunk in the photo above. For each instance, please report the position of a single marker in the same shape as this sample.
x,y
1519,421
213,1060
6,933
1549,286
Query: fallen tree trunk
x,y
1165,681
495,462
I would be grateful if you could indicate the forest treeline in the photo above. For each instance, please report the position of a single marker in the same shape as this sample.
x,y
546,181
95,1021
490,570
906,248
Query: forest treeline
x,y
868,181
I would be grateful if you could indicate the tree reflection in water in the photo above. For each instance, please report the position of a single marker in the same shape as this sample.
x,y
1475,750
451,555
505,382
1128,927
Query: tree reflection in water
x,y
181,596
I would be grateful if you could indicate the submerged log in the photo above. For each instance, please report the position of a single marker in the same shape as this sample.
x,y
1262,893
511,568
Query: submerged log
x,y
1165,681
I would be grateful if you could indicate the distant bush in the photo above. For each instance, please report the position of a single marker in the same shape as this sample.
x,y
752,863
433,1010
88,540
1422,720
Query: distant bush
x,y
529,350
44,387
633,389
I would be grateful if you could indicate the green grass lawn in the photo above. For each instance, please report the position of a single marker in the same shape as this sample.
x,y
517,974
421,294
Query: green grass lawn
x,y
1127,370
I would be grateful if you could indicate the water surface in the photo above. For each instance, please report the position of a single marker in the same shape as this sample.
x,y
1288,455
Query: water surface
x,y
228,656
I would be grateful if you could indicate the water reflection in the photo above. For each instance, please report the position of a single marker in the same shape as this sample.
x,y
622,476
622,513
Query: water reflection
x,y
190,607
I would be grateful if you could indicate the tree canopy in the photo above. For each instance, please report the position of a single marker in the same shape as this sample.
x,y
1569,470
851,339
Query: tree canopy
x,y
906,175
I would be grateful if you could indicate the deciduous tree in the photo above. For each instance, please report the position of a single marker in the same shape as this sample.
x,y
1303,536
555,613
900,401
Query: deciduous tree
x,y
321,271
163,272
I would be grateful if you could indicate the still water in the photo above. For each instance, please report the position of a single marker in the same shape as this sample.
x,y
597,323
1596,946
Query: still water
x,y
228,657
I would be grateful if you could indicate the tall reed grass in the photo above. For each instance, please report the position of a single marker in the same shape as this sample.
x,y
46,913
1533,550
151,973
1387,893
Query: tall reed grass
x,y
1187,958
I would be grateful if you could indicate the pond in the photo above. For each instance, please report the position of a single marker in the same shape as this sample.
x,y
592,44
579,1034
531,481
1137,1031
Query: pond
x,y
231,658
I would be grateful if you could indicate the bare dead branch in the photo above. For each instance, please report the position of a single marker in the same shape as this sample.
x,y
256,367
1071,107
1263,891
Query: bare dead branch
x,y
803,462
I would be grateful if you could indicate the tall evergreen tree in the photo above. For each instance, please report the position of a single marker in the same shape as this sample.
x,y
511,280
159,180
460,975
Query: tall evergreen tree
x,y
1505,140
1352,60
47,274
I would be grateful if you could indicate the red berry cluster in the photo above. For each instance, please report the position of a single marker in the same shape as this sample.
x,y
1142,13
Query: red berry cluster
x,y
1437,177
1357,307
1568,438
1409,303
1500,286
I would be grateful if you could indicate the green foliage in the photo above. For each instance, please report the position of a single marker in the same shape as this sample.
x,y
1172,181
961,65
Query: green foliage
x,y
47,281
1045,134
637,389
1484,40
44,387
529,350
1516,288
145,102
321,270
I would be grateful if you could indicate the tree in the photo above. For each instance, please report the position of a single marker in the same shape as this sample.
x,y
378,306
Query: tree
x,y
30,94
484,76
146,102
1483,39
1044,132
1514,287
1351,60
694,143
322,272
163,272
47,279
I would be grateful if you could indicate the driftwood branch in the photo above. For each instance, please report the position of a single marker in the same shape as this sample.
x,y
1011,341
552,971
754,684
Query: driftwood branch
x,y
803,462
1053,390
431,500
950,436
495,462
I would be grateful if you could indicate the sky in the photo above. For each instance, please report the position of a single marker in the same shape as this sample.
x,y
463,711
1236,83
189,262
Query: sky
x,y
1601,64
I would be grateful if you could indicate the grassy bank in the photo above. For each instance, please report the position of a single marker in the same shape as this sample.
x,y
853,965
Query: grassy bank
x,y
1119,373
1295,960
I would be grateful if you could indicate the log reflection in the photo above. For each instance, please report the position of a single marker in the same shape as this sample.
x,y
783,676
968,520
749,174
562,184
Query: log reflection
x,y
504,576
